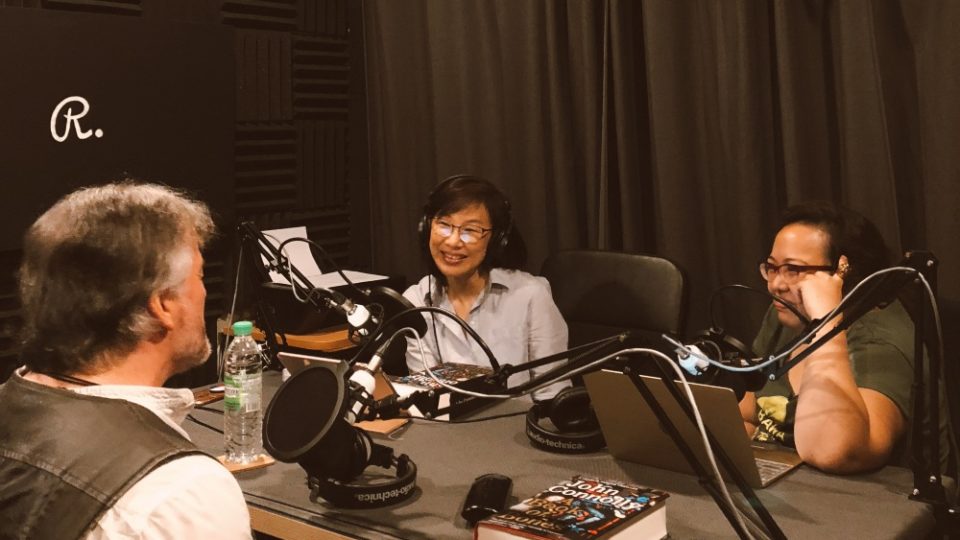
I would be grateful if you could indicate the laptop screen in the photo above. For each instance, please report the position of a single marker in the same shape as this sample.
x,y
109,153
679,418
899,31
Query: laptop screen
x,y
634,432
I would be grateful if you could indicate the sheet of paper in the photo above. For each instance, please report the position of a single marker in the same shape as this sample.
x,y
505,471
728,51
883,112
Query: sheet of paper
x,y
333,279
297,252
302,259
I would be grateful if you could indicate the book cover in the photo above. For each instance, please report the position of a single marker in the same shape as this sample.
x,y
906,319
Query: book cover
x,y
450,373
582,508
463,375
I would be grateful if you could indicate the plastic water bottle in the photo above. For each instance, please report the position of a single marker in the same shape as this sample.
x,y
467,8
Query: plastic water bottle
x,y
243,396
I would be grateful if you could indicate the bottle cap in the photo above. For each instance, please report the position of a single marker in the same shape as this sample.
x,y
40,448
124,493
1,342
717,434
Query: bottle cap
x,y
242,328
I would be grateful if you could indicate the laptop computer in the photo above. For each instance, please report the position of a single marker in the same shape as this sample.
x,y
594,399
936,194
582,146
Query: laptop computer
x,y
634,434
295,363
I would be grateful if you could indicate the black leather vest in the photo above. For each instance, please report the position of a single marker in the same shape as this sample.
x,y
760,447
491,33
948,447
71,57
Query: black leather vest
x,y
65,458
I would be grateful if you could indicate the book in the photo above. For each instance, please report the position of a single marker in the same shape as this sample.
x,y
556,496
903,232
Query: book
x,y
582,508
466,376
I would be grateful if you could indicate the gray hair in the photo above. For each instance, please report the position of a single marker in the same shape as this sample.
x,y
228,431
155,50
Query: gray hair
x,y
91,263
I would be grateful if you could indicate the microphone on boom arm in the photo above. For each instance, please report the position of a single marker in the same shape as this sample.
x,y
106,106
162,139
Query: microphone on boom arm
x,y
722,348
310,421
360,319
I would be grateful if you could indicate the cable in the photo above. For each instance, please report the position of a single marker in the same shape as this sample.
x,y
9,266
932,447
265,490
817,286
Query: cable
x,y
823,322
433,319
326,256
221,353
700,426
690,398
431,309
793,309
209,409
204,424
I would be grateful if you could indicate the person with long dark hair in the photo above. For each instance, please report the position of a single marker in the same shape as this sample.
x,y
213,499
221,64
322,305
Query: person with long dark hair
x,y
475,253
846,407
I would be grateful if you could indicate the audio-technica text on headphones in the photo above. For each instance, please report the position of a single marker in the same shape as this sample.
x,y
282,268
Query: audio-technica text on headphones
x,y
362,495
578,430
501,235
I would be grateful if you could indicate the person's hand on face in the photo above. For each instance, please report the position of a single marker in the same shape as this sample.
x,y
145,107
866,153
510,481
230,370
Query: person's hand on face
x,y
798,271
819,293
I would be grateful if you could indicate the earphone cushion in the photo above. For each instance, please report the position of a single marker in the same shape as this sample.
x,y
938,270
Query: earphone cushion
x,y
423,234
359,495
578,442
570,411
726,343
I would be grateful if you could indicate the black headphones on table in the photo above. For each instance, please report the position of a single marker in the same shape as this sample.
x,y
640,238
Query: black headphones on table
x,y
578,430
501,236
358,495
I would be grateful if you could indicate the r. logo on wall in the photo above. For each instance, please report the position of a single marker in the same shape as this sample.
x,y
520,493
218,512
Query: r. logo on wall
x,y
71,110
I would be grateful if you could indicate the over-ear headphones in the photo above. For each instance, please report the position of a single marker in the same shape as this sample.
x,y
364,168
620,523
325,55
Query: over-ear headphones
x,y
333,452
726,347
728,350
501,235
578,430
362,495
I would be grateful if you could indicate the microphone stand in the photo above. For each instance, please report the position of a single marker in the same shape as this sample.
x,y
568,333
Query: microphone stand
x,y
301,286
427,401
707,481
925,448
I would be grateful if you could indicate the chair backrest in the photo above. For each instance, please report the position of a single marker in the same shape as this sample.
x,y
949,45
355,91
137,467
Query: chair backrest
x,y
601,293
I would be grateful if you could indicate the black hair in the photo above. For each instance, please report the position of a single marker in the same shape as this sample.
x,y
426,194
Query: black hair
x,y
849,234
506,248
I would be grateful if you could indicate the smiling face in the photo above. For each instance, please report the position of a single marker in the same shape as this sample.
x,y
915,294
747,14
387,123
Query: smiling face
x,y
802,245
455,258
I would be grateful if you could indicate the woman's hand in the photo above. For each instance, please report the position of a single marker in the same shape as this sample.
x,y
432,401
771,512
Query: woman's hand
x,y
821,292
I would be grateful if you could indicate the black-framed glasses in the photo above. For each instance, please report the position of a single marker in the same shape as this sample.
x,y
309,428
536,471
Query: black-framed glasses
x,y
789,272
469,234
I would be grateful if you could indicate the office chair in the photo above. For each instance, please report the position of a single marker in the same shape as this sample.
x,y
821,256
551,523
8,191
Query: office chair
x,y
601,293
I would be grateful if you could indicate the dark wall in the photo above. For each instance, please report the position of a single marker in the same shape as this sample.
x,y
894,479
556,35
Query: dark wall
x,y
254,106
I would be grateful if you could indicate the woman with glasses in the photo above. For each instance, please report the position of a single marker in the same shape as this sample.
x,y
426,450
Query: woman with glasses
x,y
845,408
474,254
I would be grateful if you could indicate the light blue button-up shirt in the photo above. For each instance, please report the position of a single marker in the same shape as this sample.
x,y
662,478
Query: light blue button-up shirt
x,y
514,315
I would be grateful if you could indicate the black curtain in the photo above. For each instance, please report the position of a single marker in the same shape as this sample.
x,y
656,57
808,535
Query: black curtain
x,y
680,129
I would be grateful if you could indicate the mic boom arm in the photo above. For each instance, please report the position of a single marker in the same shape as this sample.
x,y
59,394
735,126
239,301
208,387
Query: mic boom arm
x,y
303,289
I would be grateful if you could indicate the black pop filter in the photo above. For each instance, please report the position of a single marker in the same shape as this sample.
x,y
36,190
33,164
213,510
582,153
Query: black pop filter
x,y
304,423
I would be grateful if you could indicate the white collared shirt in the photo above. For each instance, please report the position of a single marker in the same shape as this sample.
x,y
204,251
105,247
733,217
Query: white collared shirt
x,y
188,497
514,315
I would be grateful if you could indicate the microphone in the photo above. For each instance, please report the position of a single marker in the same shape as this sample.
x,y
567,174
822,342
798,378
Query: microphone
x,y
406,316
309,421
362,384
358,316
727,350
691,360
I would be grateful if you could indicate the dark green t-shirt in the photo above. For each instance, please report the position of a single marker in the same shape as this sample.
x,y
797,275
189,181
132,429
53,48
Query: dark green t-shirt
x,y
880,345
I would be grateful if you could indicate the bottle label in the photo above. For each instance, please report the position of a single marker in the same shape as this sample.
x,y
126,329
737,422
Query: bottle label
x,y
242,392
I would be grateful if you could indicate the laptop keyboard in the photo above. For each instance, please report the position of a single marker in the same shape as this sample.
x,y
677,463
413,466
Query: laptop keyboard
x,y
769,469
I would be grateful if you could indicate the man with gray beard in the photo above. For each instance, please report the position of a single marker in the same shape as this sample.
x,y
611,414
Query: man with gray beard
x,y
90,442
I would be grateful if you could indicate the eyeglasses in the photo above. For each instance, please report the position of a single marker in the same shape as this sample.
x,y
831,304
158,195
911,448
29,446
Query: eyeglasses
x,y
789,272
469,234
